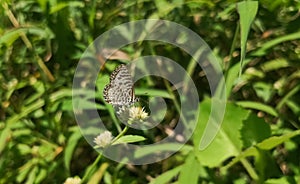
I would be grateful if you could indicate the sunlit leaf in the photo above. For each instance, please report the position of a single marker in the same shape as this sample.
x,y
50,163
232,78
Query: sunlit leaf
x,y
166,176
247,11
267,144
227,142
129,139
190,170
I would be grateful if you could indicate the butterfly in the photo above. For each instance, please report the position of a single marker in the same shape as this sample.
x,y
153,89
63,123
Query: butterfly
x,y
120,90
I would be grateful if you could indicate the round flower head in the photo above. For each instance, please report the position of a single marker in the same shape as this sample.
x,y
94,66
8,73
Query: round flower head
x,y
132,114
137,113
103,139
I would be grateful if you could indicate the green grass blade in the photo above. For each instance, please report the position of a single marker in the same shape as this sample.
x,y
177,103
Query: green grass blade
x,y
247,11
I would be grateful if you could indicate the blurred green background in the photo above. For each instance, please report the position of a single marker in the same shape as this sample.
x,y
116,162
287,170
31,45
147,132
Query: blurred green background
x,y
42,41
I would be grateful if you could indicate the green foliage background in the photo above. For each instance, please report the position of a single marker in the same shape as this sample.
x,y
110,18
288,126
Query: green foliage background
x,y
42,41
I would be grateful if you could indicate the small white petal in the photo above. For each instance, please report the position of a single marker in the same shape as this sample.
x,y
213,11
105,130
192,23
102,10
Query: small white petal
x,y
103,139
137,114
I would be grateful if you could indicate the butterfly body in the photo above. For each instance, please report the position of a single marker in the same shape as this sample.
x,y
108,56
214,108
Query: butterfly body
x,y
120,90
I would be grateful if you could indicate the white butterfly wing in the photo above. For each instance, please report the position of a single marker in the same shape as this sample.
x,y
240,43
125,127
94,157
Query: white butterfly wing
x,y
120,89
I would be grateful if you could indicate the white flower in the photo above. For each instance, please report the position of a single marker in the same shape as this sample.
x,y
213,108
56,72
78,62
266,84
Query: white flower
x,y
103,139
137,113
75,180
132,114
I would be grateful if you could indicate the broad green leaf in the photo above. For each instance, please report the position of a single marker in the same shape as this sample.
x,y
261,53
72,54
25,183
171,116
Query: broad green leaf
x,y
129,139
267,144
161,148
166,176
254,130
247,11
190,170
227,142
274,141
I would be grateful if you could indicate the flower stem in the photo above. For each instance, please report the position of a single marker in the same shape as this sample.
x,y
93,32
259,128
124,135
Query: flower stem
x,y
91,169
120,134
